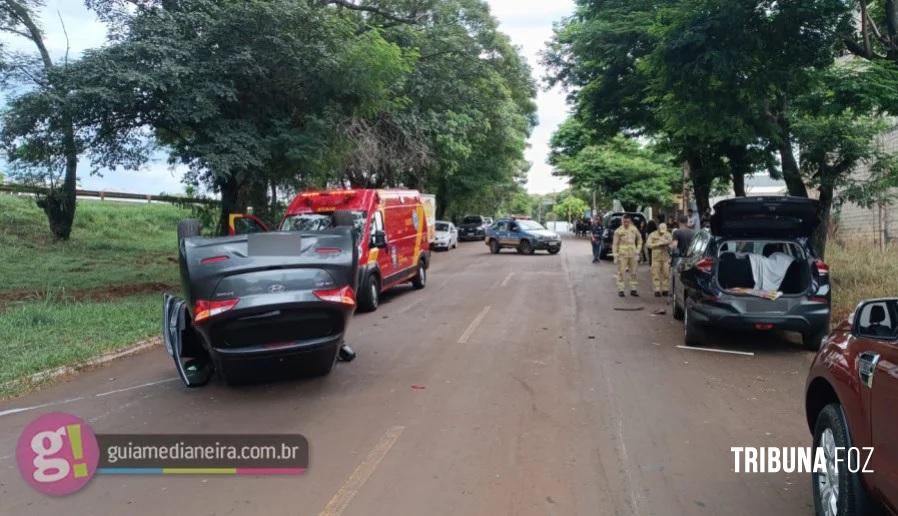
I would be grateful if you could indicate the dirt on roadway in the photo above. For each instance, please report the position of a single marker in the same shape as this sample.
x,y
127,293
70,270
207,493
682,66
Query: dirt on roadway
x,y
533,397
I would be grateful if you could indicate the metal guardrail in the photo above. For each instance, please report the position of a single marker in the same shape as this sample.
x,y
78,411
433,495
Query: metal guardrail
x,y
103,195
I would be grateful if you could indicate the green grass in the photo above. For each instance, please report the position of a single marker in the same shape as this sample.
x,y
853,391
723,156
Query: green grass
x,y
47,334
112,243
860,271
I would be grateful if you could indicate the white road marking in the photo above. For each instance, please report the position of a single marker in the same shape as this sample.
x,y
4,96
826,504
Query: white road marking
x,y
507,279
150,384
744,353
10,412
474,324
19,410
362,473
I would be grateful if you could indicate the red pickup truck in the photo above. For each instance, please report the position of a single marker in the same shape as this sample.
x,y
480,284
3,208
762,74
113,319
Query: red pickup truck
x,y
852,401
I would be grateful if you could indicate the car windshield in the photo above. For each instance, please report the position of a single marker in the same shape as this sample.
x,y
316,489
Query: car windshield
x,y
442,226
472,220
322,222
530,225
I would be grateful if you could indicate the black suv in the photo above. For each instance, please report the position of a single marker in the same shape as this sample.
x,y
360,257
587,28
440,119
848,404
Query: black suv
x,y
610,222
754,270
472,227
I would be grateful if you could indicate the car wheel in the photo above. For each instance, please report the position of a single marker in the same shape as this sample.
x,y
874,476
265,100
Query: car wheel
x,y
525,248
494,247
554,250
837,491
369,297
814,341
677,311
692,333
420,280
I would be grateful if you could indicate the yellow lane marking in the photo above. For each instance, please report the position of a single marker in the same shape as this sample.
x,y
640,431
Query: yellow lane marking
x,y
474,324
363,471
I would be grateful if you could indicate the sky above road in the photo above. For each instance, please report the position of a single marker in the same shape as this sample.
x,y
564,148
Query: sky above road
x,y
527,22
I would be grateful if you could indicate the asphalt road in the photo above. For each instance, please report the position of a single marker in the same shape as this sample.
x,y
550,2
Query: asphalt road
x,y
539,398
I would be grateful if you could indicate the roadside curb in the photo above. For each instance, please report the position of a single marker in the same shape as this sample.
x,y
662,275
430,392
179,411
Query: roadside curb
x,y
53,374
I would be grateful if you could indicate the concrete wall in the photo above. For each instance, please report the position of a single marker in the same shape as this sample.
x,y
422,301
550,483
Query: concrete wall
x,y
876,225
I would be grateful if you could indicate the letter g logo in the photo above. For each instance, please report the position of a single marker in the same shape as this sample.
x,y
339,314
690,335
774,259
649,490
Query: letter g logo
x,y
57,454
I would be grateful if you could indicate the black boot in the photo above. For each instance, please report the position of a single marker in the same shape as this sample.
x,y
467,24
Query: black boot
x,y
621,293
634,293
657,294
665,293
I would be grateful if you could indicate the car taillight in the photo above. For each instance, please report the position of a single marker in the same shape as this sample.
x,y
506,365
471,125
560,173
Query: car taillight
x,y
818,299
206,309
213,259
822,268
328,250
705,265
344,296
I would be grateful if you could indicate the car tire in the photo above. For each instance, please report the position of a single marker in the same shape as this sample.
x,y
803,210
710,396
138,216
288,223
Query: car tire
x,y
813,341
851,498
678,313
494,247
369,297
693,335
554,250
189,228
420,279
525,247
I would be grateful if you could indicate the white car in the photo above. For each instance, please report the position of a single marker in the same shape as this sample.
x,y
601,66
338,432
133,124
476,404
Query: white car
x,y
446,236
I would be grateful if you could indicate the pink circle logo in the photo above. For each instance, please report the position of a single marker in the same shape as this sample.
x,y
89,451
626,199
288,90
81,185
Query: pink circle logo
x,y
57,454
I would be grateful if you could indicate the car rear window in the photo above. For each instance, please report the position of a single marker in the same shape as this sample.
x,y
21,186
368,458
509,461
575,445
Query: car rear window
x,y
442,226
473,220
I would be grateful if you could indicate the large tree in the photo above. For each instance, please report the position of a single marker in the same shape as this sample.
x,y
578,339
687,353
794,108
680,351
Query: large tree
x,y
38,130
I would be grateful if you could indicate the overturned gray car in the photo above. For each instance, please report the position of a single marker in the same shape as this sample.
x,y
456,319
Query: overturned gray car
x,y
261,306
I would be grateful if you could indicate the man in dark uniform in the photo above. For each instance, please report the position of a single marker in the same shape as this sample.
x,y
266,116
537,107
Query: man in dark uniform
x,y
596,230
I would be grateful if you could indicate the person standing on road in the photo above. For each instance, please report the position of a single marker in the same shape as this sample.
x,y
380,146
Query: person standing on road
x,y
658,244
626,246
682,236
596,235
650,228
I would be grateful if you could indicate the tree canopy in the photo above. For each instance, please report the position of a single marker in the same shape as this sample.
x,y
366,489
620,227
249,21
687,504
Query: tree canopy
x,y
261,96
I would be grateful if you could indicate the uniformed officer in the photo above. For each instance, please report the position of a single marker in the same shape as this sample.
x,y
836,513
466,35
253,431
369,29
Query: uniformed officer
x,y
626,246
659,243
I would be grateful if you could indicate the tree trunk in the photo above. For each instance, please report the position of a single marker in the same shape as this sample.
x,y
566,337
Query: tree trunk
x,y
60,203
739,166
791,172
701,184
229,188
821,234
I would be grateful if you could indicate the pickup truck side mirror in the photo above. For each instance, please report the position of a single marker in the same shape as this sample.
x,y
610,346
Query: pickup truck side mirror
x,y
379,239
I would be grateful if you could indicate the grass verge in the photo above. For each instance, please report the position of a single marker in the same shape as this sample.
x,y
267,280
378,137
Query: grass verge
x,y
46,334
860,271
112,243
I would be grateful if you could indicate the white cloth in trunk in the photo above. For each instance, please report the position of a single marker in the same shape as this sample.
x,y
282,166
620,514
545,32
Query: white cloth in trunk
x,y
769,272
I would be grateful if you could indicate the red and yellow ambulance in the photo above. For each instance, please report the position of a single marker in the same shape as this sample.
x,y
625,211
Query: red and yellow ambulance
x,y
391,228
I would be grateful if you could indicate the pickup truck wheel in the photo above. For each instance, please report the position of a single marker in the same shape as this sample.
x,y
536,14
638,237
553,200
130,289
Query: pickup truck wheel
x,y
189,228
693,334
813,341
420,280
525,248
837,491
494,247
369,295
